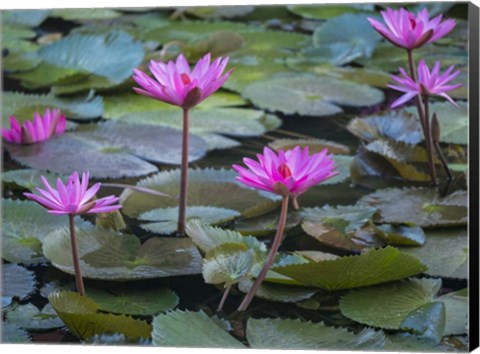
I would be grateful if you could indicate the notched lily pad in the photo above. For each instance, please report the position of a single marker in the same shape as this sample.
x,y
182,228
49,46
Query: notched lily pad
x,y
29,178
375,266
109,255
17,282
314,145
29,317
401,235
278,292
11,333
206,187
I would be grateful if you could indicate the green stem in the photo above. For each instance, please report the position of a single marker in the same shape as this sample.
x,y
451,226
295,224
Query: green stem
x,y
182,207
76,260
271,257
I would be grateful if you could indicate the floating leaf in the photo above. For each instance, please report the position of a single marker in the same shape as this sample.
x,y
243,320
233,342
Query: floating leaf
x,y
207,187
314,145
401,235
25,226
84,14
372,267
326,11
296,334
28,316
251,72
453,121
399,126
131,301
356,39
399,302
278,292
113,55
310,95
165,220
20,104
427,320
17,282
29,179
445,253
29,18
11,333
418,206
82,317
110,255
190,329
215,12
227,264
265,225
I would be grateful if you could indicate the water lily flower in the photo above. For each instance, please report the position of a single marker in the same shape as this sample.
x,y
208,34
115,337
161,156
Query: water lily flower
x,y
289,174
407,30
71,199
428,83
41,128
176,84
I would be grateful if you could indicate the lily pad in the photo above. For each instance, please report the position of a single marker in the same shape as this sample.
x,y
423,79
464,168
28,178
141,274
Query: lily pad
x,y
17,282
29,178
401,235
418,206
29,317
326,11
29,18
251,71
84,14
453,121
112,55
296,334
278,292
23,105
265,225
109,255
190,329
445,253
165,220
206,187
357,38
82,317
12,333
25,225
399,301
375,266
428,320
131,301
314,145
310,95
216,12
398,126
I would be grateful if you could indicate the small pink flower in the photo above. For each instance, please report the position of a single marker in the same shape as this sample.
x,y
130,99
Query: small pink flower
x,y
289,173
405,30
73,197
175,84
42,128
429,83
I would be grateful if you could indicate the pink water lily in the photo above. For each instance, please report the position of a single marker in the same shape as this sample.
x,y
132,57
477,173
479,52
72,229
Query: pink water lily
x,y
289,172
41,128
407,30
428,83
176,84
74,197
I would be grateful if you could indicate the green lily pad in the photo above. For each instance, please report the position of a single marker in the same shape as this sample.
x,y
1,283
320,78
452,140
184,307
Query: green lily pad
x,y
113,55
12,333
428,320
206,187
337,226
208,238
265,225
357,38
25,226
398,126
44,75
23,105
278,292
190,329
445,253
375,266
165,220
401,235
29,317
109,255
17,282
82,317
84,14
310,95
227,264
29,18
314,145
326,11
130,301
399,302
216,12
251,72
453,121
280,333
418,206
17,59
